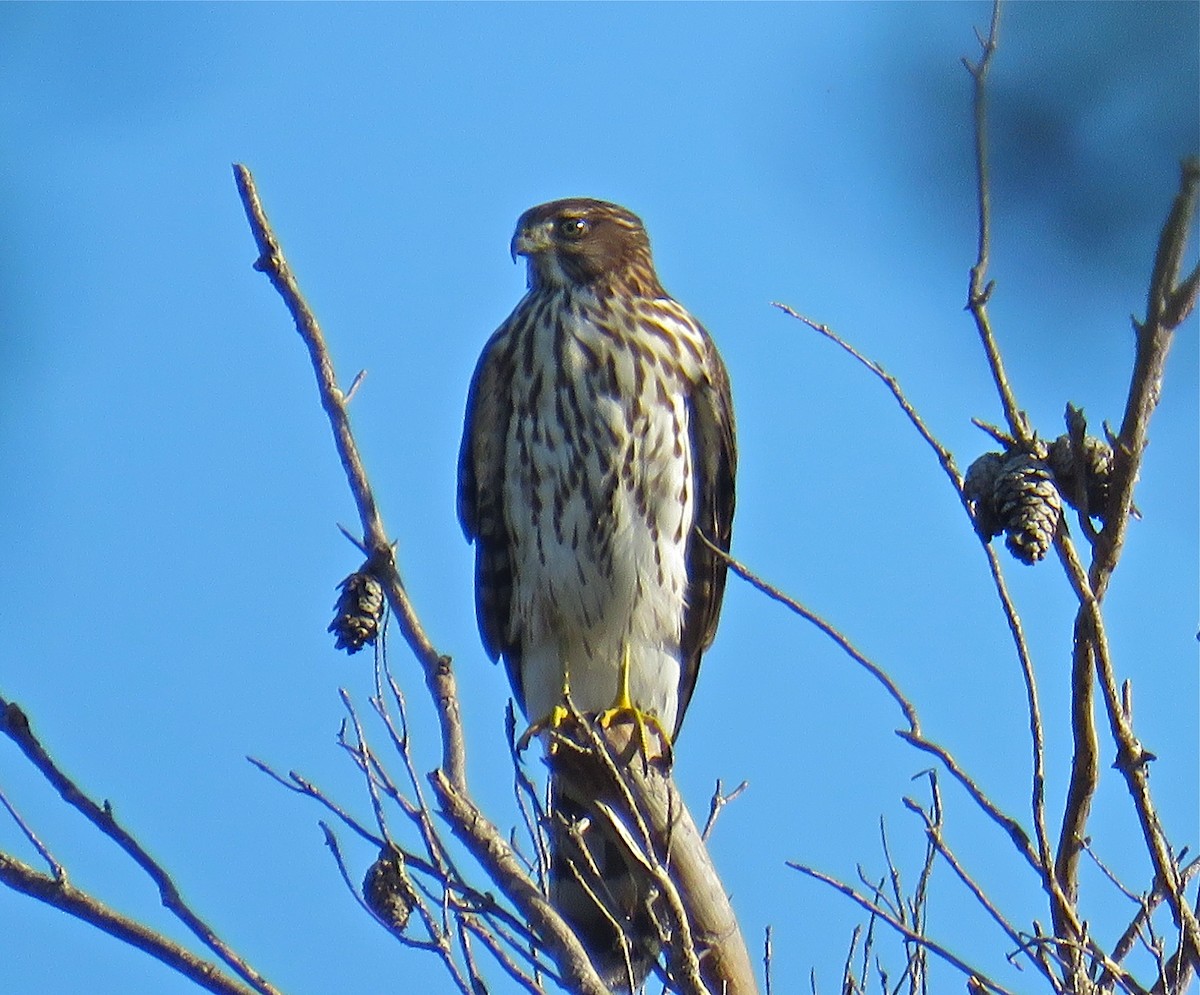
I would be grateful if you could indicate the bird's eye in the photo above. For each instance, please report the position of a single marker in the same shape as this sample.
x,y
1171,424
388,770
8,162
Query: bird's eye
x,y
573,229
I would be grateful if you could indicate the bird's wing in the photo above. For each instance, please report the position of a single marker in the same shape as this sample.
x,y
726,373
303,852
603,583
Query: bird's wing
x,y
714,461
481,463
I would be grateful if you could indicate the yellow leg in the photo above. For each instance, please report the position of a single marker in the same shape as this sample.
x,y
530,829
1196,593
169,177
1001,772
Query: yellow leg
x,y
624,708
554,720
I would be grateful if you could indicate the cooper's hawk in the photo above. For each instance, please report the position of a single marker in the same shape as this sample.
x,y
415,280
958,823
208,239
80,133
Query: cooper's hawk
x,y
598,449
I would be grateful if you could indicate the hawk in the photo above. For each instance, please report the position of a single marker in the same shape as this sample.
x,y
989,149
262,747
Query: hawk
x,y
597,463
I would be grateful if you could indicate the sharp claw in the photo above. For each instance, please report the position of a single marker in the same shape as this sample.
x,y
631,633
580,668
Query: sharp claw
x,y
557,718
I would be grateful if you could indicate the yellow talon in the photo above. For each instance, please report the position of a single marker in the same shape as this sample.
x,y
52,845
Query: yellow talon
x,y
624,708
551,723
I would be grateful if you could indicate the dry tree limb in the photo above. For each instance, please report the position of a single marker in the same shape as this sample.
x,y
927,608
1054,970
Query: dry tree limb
x,y
980,288
1012,617
1132,761
55,889
492,851
60,894
439,674
985,983
643,808
1084,777
1169,301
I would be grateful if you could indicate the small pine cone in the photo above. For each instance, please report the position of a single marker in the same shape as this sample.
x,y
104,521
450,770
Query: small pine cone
x,y
1097,466
980,488
1028,505
359,611
387,890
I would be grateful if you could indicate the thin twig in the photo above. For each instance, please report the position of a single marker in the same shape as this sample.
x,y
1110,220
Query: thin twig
x,y
511,967
943,454
980,287
905,706
913,734
439,674
933,833
56,869
931,945
717,803
15,725
498,859
1016,629
767,959
302,786
1147,905
63,896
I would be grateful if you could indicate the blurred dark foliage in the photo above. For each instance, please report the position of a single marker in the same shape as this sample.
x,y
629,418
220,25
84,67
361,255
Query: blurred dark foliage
x,y
1115,96
1091,107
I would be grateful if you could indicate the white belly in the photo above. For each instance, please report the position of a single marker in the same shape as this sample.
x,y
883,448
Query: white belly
x,y
600,540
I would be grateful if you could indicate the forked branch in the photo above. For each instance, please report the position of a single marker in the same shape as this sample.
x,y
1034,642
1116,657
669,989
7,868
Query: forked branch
x,y
54,889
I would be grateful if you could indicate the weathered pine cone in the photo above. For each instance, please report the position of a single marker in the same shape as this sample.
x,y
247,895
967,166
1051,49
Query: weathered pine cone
x,y
979,487
1093,472
388,892
358,612
1015,493
1029,505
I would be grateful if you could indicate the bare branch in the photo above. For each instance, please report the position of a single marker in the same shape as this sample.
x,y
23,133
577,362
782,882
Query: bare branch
x,y
946,461
1154,338
933,832
15,725
943,454
1132,758
1146,906
906,707
982,980
717,803
43,851
60,894
525,980
498,859
913,734
980,287
439,674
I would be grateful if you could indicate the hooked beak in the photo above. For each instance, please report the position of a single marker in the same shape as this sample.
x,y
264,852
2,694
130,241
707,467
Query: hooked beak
x,y
530,240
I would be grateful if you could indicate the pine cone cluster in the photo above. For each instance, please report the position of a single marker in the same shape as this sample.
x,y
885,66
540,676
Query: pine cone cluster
x,y
1084,479
358,612
1015,493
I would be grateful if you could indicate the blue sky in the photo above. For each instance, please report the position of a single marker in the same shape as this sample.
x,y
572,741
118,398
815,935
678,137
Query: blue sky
x,y
170,498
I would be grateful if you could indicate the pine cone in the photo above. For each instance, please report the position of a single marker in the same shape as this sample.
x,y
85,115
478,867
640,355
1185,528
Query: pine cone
x,y
1096,466
359,612
1028,505
387,890
980,488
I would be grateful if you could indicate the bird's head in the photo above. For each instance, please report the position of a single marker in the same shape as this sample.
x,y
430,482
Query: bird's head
x,y
582,242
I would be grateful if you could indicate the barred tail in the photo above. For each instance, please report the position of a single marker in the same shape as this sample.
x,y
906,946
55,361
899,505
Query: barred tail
x,y
599,891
